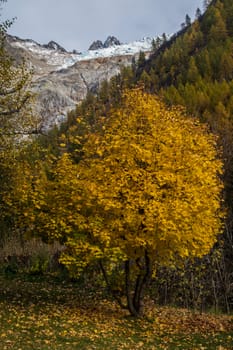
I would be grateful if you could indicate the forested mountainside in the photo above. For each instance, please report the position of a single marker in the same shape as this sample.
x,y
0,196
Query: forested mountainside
x,y
194,69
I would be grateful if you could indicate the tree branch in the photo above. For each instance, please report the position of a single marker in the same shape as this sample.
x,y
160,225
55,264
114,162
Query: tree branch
x,y
16,110
116,297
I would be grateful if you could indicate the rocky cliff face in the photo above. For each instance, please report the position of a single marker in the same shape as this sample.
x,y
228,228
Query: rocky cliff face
x,y
96,45
61,90
54,46
109,42
62,79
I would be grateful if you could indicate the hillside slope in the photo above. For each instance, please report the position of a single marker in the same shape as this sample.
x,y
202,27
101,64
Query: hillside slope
x,y
196,71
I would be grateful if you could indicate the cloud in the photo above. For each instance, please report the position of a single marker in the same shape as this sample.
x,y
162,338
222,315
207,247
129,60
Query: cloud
x,y
76,23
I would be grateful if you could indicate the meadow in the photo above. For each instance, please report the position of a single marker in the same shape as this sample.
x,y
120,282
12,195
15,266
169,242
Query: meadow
x,y
46,313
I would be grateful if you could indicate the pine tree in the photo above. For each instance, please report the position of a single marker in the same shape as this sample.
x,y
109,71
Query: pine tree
x,y
193,73
198,13
187,20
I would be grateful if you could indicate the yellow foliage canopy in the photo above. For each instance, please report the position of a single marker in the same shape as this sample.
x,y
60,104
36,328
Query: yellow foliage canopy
x,y
149,182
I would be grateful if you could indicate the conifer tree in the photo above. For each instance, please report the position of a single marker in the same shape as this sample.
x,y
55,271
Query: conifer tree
x,y
187,20
198,13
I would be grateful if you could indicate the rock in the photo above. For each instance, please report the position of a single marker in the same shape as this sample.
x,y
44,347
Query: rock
x,y
96,45
60,91
111,41
52,45
76,52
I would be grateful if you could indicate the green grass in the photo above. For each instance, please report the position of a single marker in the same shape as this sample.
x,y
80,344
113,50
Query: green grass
x,y
48,314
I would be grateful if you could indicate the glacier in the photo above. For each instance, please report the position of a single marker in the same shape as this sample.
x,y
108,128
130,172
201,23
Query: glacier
x,y
62,60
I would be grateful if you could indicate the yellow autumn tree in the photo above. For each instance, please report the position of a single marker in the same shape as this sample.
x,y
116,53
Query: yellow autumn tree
x,y
146,192
17,121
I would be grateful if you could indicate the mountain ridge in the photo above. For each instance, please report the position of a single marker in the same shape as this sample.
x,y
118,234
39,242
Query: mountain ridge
x,y
62,79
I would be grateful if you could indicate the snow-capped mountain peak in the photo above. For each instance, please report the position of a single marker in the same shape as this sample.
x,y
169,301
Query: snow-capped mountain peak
x,y
55,55
109,42
62,79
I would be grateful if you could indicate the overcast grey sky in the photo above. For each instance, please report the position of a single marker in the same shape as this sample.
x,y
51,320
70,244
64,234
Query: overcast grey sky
x,y
75,24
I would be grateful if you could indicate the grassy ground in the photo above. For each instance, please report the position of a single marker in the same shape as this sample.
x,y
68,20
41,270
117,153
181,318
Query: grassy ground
x,y
45,314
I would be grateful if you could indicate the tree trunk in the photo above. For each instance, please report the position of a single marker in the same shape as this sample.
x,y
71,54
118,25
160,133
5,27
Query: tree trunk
x,y
135,297
133,311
